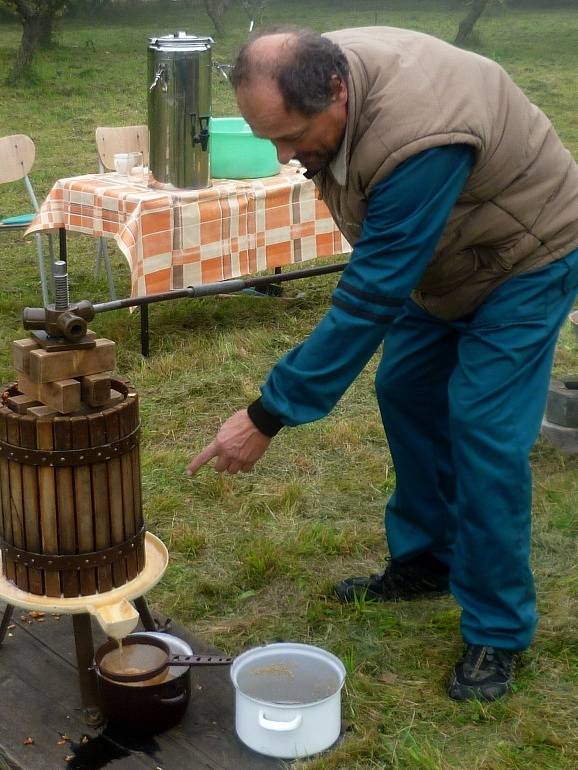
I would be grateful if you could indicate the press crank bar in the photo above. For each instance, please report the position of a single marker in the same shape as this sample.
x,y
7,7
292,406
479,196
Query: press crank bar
x,y
230,286
63,323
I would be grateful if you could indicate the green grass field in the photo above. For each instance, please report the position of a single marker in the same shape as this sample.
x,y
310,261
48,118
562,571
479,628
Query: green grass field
x,y
253,557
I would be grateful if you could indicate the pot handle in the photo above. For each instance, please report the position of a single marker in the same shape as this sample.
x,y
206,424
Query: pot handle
x,y
279,727
174,701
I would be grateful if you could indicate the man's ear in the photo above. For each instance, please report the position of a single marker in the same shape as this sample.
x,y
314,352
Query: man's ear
x,y
338,89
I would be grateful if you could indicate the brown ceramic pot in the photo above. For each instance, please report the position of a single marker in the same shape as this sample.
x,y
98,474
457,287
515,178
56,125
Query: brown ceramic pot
x,y
150,706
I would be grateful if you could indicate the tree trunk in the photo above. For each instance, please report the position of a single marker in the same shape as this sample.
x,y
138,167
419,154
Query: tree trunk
x,y
216,11
45,40
37,18
32,32
467,24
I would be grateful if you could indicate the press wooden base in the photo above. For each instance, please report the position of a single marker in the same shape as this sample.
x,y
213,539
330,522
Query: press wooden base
x,y
112,609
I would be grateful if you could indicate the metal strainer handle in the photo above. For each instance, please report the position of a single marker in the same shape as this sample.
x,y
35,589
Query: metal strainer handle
x,y
199,660
169,659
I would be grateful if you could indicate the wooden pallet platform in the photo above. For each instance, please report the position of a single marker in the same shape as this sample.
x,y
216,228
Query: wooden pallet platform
x,y
40,699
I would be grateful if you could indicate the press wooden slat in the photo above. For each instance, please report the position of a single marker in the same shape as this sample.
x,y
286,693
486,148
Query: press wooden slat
x,y
136,475
8,564
60,365
48,514
16,499
2,527
83,503
31,504
66,510
126,419
100,504
115,495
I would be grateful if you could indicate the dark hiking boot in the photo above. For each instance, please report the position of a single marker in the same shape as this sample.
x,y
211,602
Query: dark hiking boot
x,y
483,673
423,576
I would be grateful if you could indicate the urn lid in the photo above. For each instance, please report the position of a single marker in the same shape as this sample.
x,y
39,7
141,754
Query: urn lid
x,y
180,41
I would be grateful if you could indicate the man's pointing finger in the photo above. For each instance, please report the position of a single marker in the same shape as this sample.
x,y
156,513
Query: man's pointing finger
x,y
201,459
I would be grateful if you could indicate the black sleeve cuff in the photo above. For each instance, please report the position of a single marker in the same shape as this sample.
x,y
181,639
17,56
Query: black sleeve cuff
x,y
264,421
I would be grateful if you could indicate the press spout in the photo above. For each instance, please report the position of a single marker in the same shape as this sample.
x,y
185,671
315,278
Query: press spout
x,y
116,620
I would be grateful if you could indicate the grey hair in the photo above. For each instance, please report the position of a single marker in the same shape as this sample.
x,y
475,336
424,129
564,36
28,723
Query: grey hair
x,y
304,71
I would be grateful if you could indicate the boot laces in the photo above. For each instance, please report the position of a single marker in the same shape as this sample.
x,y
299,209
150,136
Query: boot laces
x,y
500,660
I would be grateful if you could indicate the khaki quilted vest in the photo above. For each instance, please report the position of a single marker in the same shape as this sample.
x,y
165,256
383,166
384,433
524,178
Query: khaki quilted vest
x,y
519,209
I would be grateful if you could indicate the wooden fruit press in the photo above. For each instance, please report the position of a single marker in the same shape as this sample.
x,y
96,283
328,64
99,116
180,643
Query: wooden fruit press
x,y
72,535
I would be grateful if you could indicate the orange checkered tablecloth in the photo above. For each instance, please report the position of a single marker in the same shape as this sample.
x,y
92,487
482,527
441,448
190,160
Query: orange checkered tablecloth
x,y
182,238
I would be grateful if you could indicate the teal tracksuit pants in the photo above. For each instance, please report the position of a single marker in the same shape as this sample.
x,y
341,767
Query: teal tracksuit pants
x,y
462,403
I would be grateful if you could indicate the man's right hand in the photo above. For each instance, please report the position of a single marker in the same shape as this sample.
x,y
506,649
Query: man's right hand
x,y
237,446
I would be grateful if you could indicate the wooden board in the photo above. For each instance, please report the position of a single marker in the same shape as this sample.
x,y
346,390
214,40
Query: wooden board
x,y
42,411
48,506
62,395
21,404
21,350
60,365
40,699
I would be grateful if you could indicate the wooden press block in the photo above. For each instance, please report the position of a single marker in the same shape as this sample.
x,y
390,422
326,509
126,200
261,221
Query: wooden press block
x,y
114,398
49,367
95,388
62,395
42,411
21,404
21,354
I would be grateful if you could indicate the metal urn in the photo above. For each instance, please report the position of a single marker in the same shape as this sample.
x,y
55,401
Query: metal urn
x,y
179,110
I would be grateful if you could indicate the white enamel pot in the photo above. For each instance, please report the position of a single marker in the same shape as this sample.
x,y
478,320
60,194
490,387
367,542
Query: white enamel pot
x,y
288,699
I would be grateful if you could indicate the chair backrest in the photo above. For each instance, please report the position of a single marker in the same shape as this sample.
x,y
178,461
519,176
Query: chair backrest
x,y
109,141
17,154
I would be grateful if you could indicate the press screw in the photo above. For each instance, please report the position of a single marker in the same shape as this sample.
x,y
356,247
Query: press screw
x,y
61,300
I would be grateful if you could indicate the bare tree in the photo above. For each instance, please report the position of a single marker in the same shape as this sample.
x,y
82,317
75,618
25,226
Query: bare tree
x,y
37,18
254,10
477,7
216,10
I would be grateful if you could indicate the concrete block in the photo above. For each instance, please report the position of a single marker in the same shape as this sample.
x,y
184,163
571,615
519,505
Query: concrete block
x,y
564,439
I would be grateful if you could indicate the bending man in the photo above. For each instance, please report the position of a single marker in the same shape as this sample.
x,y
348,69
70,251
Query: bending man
x,y
462,206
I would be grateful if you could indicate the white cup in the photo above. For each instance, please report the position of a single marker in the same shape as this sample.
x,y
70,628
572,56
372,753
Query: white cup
x,y
125,162
139,174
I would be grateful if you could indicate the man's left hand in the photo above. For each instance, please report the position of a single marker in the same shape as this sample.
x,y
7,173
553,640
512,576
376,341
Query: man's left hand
x,y
237,446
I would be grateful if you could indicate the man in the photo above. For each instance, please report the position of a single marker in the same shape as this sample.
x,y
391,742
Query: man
x,y
454,189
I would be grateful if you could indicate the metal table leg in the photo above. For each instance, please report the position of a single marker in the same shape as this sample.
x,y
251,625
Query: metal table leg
x,y
62,251
144,330
146,617
86,674
6,618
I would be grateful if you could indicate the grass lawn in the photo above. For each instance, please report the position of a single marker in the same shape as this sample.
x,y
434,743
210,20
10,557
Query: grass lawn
x,y
253,557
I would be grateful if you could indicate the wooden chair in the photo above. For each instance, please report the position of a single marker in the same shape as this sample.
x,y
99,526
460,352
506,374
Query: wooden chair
x,y
109,141
17,153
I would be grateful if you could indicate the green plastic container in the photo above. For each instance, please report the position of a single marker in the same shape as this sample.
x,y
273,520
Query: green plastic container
x,y
237,154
